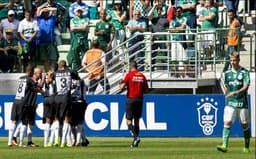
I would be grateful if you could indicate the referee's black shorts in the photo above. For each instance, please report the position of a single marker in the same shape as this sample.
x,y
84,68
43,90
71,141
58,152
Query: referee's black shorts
x,y
134,108
78,111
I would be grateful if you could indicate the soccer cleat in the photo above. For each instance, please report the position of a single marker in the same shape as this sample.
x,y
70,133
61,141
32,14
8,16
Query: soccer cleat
x,y
222,148
85,143
63,145
56,143
31,144
246,150
22,145
14,143
69,145
135,142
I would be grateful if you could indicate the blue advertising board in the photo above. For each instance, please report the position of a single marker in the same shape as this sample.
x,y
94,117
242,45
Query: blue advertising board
x,y
163,116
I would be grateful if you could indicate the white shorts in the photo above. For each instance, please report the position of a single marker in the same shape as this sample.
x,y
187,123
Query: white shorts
x,y
178,52
207,38
230,114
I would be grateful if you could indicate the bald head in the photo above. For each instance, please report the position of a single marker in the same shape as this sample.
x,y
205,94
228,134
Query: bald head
x,y
37,73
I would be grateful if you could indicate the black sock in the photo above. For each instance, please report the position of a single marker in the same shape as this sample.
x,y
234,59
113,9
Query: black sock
x,y
131,128
137,130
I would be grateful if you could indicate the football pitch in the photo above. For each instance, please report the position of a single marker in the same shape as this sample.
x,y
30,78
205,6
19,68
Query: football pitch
x,y
119,148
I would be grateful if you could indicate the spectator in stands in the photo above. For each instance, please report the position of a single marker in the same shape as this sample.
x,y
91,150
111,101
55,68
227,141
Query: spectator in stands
x,y
9,23
232,5
199,10
61,10
234,37
79,4
19,8
178,46
135,26
105,33
93,8
79,26
46,17
218,3
160,3
209,21
4,6
8,52
189,12
28,29
141,5
159,24
93,62
118,16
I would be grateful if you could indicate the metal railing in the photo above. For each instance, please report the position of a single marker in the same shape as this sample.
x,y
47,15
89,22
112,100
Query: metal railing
x,y
157,63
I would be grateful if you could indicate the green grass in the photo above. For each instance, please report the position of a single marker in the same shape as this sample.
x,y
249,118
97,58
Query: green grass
x,y
119,148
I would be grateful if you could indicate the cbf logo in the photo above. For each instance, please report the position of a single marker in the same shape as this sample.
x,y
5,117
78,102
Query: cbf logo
x,y
207,114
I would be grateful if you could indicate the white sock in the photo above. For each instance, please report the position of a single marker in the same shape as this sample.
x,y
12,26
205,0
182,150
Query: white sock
x,y
17,130
56,131
69,142
29,131
64,133
79,133
52,133
22,133
10,135
46,132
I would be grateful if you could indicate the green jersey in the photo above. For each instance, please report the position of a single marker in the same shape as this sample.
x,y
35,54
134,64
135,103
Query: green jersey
x,y
235,80
78,22
3,11
210,24
186,13
108,28
117,24
176,22
19,10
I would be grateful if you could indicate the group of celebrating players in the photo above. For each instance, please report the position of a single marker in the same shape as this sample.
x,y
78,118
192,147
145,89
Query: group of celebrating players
x,y
63,110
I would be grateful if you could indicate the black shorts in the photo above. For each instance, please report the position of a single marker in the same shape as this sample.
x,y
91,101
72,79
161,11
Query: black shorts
x,y
28,113
134,108
49,108
77,112
16,113
62,106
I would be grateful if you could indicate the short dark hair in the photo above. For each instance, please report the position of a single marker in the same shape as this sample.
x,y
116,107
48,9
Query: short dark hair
x,y
232,10
30,69
95,44
62,64
133,64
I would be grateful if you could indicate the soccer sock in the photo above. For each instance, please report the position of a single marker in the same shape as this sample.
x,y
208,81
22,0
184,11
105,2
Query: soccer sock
x,y
131,128
69,135
225,135
64,133
137,130
247,136
17,131
10,135
29,131
22,133
83,134
46,132
73,134
56,131
52,133
79,133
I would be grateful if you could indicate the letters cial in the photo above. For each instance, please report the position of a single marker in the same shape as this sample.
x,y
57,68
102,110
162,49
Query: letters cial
x,y
98,117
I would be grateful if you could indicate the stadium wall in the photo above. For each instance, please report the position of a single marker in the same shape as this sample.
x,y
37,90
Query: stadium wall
x,y
163,116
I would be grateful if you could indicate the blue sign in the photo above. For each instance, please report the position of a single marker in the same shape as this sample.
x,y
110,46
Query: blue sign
x,y
163,115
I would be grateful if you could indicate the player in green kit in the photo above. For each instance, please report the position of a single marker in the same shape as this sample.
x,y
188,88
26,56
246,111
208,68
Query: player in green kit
x,y
237,81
